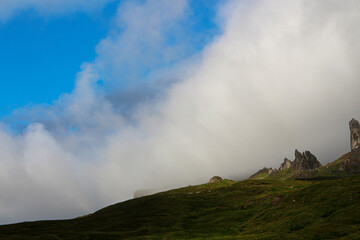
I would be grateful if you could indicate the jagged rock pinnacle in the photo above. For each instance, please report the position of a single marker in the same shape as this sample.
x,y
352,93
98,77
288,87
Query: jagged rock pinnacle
x,y
297,154
305,161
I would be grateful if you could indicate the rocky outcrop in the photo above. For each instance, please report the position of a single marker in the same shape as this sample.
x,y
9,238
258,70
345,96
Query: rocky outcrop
x,y
285,165
215,179
306,165
305,161
354,134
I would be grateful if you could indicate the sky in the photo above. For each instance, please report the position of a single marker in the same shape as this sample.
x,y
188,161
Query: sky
x,y
102,98
42,52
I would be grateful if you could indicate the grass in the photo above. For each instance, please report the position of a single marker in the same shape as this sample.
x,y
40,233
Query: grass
x,y
251,209
346,165
282,175
261,174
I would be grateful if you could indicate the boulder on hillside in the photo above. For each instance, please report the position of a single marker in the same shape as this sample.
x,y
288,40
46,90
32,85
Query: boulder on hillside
x,y
215,179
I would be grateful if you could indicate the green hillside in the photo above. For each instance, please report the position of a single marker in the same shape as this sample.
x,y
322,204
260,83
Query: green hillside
x,y
250,209
346,165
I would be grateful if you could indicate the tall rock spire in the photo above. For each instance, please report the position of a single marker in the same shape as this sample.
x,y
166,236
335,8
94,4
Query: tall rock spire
x,y
354,134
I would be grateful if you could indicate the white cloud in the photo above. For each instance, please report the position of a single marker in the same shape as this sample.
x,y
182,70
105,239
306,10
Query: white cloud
x,y
140,40
283,75
9,8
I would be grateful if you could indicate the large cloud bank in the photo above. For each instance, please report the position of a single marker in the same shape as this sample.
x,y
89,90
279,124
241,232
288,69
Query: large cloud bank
x,y
282,75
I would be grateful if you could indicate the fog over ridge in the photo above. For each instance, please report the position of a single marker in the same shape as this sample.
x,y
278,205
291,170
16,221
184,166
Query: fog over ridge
x,y
282,75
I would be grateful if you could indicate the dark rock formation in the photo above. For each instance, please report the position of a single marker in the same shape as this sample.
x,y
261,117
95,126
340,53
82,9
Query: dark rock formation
x,y
215,179
305,161
285,165
354,134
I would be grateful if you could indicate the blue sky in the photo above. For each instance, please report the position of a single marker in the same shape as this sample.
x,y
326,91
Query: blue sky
x,y
41,55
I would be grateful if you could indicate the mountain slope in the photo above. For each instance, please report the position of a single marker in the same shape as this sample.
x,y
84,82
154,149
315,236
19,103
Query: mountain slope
x,y
251,209
346,165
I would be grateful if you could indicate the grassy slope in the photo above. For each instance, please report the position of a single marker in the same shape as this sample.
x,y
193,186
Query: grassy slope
x,y
251,209
261,174
346,165
350,163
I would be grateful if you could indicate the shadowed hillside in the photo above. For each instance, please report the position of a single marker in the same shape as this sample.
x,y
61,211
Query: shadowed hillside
x,y
251,209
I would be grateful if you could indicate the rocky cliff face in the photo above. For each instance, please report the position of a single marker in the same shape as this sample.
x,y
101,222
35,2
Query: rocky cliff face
x,y
354,134
285,165
305,161
307,166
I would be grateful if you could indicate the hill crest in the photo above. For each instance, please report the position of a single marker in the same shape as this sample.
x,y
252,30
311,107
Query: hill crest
x,y
306,165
